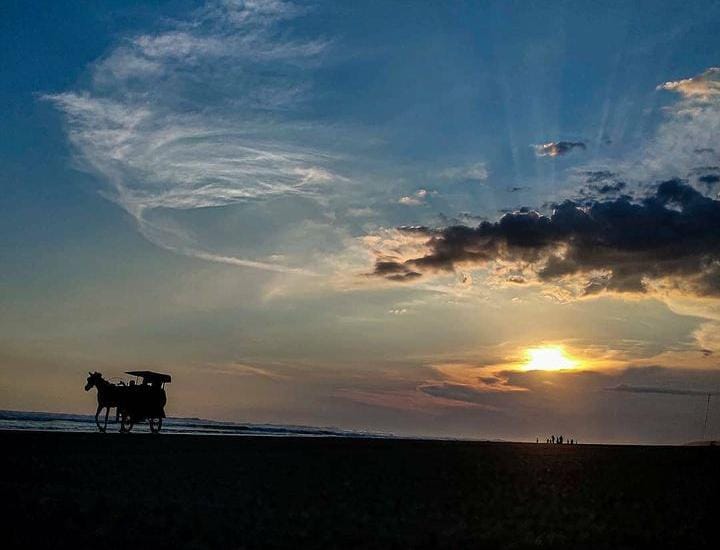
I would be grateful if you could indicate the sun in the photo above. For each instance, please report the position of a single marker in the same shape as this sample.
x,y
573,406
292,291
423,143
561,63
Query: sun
x,y
548,358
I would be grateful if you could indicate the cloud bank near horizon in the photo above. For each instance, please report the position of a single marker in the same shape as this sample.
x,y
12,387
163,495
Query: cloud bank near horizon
x,y
669,239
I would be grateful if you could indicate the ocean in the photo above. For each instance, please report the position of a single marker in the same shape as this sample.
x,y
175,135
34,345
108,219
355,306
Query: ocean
x,y
63,422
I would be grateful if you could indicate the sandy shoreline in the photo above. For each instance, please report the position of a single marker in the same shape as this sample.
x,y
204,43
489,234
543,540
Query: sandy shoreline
x,y
197,491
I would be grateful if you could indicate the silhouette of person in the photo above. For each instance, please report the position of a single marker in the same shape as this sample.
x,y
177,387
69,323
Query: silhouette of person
x,y
552,438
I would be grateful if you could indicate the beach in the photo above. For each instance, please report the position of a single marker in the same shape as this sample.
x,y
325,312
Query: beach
x,y
203,491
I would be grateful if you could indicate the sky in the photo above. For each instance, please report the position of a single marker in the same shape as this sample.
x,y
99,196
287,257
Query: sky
x,y
458,219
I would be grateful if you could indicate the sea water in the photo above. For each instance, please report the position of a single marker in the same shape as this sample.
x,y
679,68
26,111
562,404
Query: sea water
x,y
62,422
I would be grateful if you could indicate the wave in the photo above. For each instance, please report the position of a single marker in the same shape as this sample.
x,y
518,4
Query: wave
x,y
66,422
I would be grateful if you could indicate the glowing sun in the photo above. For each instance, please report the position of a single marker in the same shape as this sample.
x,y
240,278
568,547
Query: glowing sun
x,y
548,358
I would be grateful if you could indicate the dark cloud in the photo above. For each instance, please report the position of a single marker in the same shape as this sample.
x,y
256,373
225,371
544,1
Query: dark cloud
x,y
609,188
703,169
709,179
601,182
706,177
651,389
557,148
701,150
395,271
673,233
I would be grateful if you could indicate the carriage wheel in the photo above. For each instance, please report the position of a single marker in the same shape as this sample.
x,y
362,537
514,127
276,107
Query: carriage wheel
x,y
126,423
155,424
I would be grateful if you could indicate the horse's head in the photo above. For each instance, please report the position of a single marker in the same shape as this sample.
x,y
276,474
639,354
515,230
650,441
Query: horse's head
x,y
93,380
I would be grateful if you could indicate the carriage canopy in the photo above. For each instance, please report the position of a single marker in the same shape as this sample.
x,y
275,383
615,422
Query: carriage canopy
x,y
150,377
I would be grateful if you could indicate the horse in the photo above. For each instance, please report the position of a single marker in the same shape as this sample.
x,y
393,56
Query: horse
x,y
108,396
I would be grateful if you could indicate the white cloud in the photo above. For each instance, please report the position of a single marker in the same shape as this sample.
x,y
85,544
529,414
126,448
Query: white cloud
x,y
416,199
189,117
471,172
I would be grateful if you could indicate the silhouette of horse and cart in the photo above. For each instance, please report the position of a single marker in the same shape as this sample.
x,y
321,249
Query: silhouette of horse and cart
x,y
133,402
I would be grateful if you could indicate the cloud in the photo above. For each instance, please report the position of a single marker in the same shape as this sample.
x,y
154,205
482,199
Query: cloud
x,y
557,148
684,140
658,390
242,369
708,338
405,400
601,182
709,179
471,172
240,262
197,116
670,239
416,199
455,392
609,188
473,393
704,87
466,383
393,271
597,176
361,212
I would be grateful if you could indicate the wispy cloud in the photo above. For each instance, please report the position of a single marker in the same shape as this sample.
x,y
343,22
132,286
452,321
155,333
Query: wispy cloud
x,y
476,171
685,140
193,116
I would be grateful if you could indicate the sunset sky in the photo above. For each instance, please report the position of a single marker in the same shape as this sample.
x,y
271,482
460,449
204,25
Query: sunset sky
x,y
473,219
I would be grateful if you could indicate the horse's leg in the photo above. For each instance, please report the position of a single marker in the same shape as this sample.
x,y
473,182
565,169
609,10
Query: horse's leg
x,y
107,412
97,422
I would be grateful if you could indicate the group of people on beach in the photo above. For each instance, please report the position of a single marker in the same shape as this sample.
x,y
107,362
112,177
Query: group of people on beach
x,y
557,440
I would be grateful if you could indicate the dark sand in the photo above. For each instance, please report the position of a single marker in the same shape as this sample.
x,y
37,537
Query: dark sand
x,y
172,491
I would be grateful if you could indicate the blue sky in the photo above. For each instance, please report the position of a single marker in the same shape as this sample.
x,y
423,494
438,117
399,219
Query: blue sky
x,y
207,188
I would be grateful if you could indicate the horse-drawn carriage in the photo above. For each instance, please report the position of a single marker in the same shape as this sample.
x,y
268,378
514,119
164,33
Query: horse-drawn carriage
x,y
134,402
